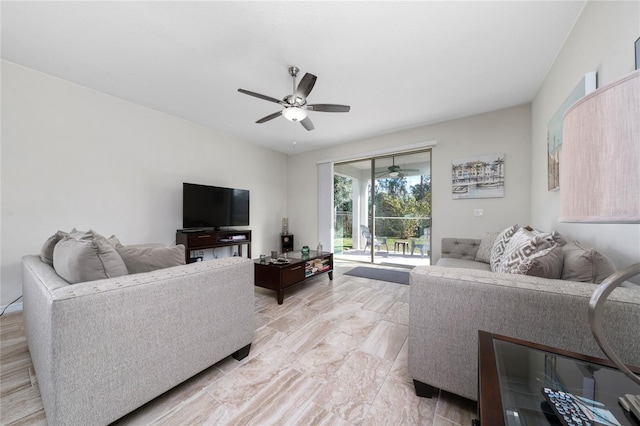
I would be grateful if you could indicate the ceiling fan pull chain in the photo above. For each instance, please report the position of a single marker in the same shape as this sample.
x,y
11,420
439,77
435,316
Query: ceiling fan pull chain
x,y
294,137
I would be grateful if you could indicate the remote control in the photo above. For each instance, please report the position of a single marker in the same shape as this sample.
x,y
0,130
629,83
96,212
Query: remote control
x,y
565,408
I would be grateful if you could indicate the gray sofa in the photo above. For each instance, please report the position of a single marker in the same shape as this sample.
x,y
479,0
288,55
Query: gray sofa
x,y
103,348
452,300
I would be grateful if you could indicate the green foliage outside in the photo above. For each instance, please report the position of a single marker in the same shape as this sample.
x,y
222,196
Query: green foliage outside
x,y
394,198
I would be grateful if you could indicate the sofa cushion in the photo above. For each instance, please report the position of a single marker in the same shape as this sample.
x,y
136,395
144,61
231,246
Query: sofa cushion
x,y
546,263
86,256
585,264
500,244
486,245
46,253
146,258
522,245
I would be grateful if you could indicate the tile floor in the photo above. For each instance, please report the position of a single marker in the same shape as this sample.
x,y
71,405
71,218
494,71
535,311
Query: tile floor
x,y
335,353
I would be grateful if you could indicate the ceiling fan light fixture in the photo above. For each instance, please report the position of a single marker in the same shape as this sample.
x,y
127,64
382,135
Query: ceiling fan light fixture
x,y
394,174
294,114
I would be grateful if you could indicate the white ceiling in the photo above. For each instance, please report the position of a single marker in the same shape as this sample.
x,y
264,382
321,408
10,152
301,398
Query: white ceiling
x,y
397,64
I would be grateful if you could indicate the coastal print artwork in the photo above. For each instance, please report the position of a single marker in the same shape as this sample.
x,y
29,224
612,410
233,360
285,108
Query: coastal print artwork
x,y
554,129
478,177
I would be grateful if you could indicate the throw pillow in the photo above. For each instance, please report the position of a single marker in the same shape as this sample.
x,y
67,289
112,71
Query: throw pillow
x,y
500,244
46,253
486,244
558,238
146,259
522,245
546,263
114,241
554,237
585,264
87,256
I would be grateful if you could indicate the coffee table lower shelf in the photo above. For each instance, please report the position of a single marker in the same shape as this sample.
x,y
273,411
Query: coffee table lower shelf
x,y
299,269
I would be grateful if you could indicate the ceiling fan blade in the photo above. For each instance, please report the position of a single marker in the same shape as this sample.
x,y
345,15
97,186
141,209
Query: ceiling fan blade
x,y
307,124
258,95
269,117
329,108
305,86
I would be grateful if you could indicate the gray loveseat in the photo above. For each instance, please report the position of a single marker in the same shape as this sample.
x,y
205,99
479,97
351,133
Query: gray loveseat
x,y
103,348
452,300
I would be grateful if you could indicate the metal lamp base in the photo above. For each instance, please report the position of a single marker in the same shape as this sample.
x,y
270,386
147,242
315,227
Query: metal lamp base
x,y
596,309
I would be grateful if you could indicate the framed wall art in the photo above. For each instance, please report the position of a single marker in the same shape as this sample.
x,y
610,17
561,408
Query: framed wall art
x,y
478,177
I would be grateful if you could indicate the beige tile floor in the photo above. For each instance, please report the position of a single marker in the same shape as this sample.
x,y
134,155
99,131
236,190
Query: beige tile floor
x,y
335,353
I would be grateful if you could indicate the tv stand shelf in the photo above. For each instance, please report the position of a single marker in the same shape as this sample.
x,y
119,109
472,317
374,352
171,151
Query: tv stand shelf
x,y
210,239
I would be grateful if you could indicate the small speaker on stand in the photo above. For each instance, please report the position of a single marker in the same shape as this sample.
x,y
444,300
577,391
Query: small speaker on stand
x,y
286,243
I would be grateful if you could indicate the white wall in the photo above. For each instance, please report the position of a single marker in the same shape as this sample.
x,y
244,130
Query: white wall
x,y
74,157
505,131
602,40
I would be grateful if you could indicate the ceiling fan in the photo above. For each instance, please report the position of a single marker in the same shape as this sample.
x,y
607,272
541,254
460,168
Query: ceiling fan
x,y
295,107
395,171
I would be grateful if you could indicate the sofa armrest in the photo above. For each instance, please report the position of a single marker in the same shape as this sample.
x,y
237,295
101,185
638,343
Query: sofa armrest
x,y
460,248
448,306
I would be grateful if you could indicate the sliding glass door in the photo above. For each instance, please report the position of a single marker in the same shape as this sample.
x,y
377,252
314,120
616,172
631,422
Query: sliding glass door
x,y
383,209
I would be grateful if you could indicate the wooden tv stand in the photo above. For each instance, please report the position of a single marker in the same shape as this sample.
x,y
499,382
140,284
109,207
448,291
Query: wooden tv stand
x,y
209,239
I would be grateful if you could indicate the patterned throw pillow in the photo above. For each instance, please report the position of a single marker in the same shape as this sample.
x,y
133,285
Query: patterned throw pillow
x,y
546,263
554,237
499,245
521,246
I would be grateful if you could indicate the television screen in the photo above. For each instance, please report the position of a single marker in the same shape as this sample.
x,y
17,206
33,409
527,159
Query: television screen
x,y
206,206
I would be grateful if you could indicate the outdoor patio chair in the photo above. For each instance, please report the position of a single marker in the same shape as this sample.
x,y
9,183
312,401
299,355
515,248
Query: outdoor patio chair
x,y
377,241
421,244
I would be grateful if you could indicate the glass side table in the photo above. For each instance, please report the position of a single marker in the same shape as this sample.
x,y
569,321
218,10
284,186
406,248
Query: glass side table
x,y
513,372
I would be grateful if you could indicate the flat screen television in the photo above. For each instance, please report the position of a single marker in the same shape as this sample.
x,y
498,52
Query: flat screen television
x,y
205,206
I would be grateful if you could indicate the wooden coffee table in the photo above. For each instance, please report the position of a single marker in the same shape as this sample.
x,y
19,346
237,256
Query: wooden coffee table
x,y
278,277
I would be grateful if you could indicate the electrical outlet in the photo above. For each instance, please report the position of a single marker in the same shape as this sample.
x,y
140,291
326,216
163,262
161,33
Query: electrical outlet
x,y
478,212
200,253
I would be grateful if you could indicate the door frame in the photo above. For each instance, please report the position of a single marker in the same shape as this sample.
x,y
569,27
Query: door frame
x,y
326,223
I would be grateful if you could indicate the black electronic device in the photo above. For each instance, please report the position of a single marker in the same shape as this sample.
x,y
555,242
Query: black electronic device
x,y
573,410
205,206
